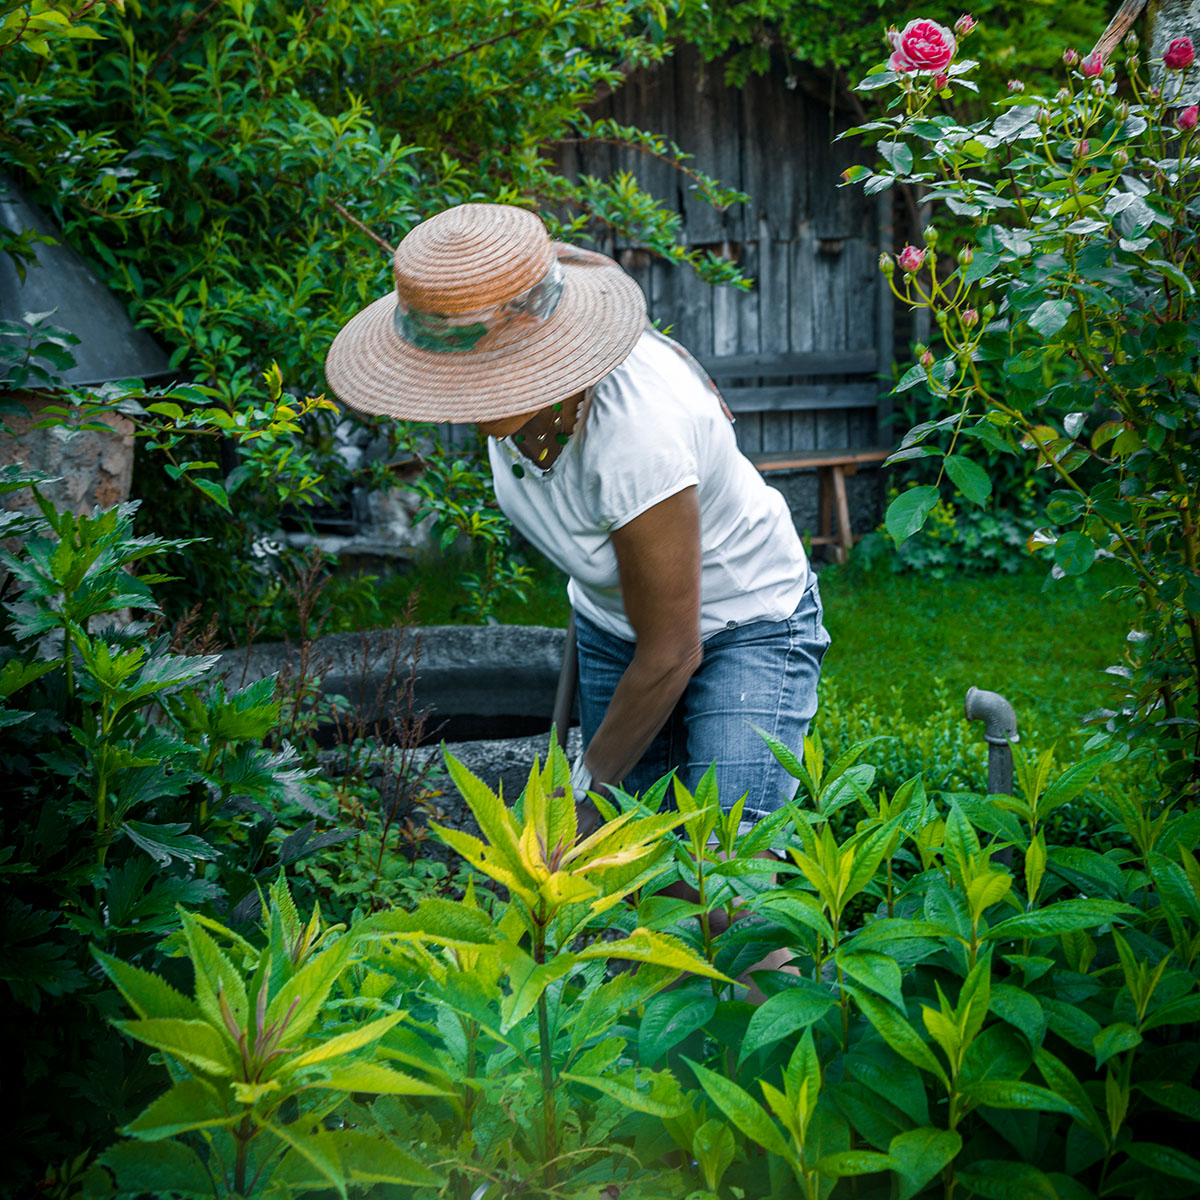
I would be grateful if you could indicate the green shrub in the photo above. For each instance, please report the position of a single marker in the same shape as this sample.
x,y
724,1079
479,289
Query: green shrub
x,y
953,1025
135,781
1069,338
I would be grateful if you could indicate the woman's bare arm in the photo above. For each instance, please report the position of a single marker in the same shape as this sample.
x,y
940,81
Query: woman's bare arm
x,y
658,561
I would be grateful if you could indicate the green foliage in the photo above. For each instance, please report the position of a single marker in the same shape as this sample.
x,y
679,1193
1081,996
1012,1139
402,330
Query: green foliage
x,y
1077,288
257,1068
239,173
973,1006
136,780
457,497
1014,39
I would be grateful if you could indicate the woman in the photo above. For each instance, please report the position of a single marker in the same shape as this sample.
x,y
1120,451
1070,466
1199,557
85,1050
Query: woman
x,y
697,615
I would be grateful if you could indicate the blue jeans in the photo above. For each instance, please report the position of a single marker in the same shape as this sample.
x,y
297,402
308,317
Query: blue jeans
x,y
763,673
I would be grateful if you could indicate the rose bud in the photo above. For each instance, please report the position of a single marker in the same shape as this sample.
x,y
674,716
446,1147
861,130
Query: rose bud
x,y
1092,66
1083,148
1064,96
941,82
964,24
1154,93
911,259
1015,85
970,318
989,311
1070,57
927,359
1044,117
1123,111
1132,61
930,235
887,264
1131,40
966,256
1187,119
1120,159
1180,55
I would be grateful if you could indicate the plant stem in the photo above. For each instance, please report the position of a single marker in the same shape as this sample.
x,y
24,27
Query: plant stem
x,y
549,1116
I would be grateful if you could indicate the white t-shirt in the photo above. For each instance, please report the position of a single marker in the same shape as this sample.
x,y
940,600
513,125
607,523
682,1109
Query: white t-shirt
x,y
653,428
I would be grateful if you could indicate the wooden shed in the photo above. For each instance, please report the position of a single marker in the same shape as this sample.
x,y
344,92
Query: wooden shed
x,y
804,358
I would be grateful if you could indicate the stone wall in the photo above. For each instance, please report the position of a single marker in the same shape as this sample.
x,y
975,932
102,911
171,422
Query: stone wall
x,y
89,468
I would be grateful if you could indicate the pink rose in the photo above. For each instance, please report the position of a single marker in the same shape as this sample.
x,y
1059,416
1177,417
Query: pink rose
x,y
964,24
922,45
1070,57
1180,55
1092,66
1185,121
911,259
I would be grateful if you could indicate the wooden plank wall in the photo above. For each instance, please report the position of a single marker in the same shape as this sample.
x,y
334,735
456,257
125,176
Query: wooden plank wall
x,y
811,246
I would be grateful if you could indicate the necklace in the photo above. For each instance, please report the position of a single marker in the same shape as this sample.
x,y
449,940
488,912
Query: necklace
x,y
542,440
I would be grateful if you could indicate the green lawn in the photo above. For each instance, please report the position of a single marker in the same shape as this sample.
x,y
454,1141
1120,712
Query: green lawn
x,y
1043,645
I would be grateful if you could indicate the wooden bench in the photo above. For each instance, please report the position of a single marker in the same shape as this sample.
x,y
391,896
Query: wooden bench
x,y
832,467
857,386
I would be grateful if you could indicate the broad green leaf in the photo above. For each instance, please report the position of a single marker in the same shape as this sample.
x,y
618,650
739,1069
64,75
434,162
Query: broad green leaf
x,y
299,1001
791,1009
146,993
1074,552
670,1017
192,1104
1178,1097
894,1028
1166,1160
364,1156
215,976
742,1109
1061,1080
643,945
1050,316
164,1168
879,972
1115,1039
907,513
1005,1093
1021,1010
969,477
194,1042
921,1154
344,1043
374,1078
662,1100
853,1162
315,1149
997,1179
1062,917
528,987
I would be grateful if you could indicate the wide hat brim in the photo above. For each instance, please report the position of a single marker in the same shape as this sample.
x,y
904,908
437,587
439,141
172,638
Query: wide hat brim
x,y
599,318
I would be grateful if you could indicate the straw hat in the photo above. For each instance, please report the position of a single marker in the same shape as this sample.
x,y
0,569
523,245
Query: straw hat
x,y
489,319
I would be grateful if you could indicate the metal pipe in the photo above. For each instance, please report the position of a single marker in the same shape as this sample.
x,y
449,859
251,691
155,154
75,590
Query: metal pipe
x,y
1000,732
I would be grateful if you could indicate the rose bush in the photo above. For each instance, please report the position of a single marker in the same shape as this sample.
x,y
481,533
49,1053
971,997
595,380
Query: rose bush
x,y
1069,331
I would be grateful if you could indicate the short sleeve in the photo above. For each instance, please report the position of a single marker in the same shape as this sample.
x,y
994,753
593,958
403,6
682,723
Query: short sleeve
x,y
640,442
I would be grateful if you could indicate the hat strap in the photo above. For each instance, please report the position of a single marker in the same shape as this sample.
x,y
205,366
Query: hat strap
x,y
456,333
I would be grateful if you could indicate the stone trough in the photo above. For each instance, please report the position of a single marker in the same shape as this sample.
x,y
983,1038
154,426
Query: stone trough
x,y
487,692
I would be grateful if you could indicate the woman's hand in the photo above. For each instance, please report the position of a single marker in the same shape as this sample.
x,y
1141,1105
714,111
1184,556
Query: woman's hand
x,y
658,561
